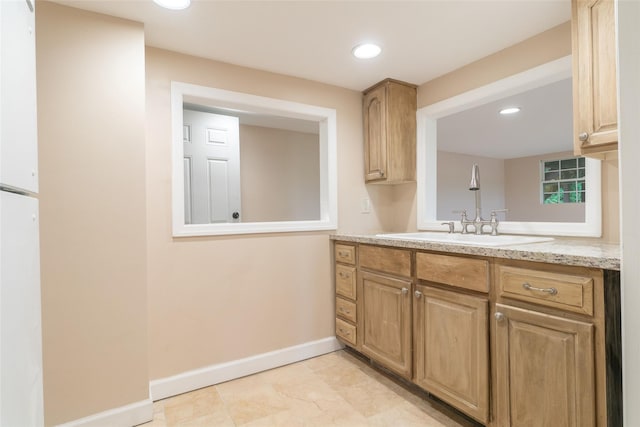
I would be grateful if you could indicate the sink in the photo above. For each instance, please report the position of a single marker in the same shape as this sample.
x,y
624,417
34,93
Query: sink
x,y
467,239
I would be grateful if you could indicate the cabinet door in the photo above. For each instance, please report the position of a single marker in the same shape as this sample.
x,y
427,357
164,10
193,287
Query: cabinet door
x,y
452,348
544,368
594,50
386,321
375,133
18,130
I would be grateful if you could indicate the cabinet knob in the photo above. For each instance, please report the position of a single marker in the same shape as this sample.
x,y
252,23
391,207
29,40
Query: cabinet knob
x,y
499,316
418,294
583,136
405,291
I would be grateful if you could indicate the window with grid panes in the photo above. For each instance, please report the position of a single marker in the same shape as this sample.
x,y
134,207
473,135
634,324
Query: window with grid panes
x,y
563,181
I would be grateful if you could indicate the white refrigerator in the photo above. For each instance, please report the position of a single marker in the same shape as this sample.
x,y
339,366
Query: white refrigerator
x,y
21,394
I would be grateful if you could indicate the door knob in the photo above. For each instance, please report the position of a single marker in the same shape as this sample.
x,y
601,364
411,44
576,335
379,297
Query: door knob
x,y
583,136
499,316
418,294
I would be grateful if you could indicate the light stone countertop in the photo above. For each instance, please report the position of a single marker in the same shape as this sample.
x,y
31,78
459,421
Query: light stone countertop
x,y
566,251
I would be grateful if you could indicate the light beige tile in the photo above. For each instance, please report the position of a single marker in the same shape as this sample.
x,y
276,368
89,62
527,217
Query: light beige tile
x,y
239,386
370,397
342,374
439,411
324,361
333,390
191,406
298,414
256,403
347,418
217,419
403,415
311,391
281,419
354,360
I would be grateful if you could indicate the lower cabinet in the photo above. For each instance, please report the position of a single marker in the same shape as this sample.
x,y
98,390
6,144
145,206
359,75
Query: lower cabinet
x,y
544,369
386,321
452,348
508,343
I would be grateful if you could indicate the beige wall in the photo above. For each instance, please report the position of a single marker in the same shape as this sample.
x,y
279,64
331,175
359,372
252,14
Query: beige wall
x,y
217,299
522,192
540,49
280,172
91,122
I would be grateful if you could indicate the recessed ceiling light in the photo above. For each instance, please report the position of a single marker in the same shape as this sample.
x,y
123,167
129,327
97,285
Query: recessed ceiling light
x,y
366,51
173,4
510,110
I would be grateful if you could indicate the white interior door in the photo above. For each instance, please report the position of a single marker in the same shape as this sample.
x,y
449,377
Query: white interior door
x,y
211,168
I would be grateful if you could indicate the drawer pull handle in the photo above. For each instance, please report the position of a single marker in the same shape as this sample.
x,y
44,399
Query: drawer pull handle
x,y
342,310
347,333
343,254
550,291
344,275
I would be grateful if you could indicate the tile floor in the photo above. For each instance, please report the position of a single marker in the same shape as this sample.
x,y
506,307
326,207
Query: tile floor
x,y
336,389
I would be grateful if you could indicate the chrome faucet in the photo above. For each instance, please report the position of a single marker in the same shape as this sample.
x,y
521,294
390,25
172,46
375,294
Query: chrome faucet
x,y
474,186
478,223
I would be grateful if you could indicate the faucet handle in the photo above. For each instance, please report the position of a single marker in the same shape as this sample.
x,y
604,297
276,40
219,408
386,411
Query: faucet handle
x,y
463,220
463,212
451,225
494,220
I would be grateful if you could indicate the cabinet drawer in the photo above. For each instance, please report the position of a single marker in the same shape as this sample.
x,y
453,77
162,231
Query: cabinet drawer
x,y
388,260
558,290
345,253
346,281
346,331
467,273
346,309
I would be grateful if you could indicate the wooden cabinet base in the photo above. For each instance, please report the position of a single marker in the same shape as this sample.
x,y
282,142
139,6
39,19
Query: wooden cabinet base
x,y
545,370
452,349
386,324
507,343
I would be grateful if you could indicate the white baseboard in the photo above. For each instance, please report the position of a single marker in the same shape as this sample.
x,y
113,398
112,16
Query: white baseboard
x,y
124,416
215,374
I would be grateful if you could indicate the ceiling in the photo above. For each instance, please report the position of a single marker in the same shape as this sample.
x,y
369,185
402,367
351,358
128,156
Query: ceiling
x,y
543,125
420,40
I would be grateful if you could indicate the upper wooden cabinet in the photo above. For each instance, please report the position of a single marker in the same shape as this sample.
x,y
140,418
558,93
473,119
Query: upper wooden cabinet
x,y
594,76
390,132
